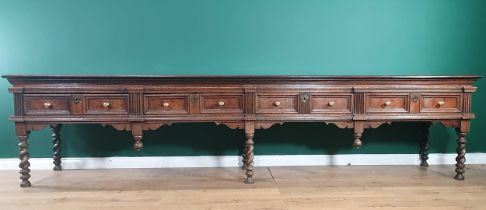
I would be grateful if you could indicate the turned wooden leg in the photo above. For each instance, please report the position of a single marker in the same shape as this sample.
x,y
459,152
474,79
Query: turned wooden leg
x,y
357,140
23,135
56,146
461,155
24,161
424,145
249,133
249,157
137,133
137,144
358,133
243,155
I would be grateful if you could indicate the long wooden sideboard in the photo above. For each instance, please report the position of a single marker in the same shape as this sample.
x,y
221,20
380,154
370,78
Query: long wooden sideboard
x,y
140,103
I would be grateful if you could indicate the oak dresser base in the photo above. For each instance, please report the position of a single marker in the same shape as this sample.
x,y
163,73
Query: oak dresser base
x,y
141,103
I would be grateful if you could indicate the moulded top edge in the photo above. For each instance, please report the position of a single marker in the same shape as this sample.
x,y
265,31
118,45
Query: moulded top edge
x,y
237,77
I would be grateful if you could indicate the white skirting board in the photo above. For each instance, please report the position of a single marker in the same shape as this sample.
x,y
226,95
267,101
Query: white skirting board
x,y
235,161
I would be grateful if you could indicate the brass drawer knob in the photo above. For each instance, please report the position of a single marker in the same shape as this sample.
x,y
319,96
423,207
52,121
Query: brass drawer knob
x,y
106,105
440,103
166,104
388,103
276,103
331,103
221,103
48,105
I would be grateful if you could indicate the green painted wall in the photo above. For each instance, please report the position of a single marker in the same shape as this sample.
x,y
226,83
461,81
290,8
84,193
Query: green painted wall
x,y
327,37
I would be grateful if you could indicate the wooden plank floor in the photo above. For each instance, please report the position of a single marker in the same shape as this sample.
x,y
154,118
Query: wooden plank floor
x,y
338,187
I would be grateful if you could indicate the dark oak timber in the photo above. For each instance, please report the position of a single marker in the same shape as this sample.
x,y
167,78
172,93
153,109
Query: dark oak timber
x,y
23,135
139,103
56,146
424,144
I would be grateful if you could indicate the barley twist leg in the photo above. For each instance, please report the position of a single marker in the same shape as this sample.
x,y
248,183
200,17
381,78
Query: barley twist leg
x,y
249,157
56,147
424,146
24,161
461,155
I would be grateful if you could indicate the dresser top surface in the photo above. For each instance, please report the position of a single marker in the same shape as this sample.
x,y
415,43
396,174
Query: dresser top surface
x,y
238,77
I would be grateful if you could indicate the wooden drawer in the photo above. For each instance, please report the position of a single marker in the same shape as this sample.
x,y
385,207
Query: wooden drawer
x,y
383,103
40,104
338,104
277,103
221,103
166,104
106,104
440,103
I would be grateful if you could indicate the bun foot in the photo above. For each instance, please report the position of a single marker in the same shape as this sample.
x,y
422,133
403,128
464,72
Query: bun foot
x,y
57,168
249,180
424,164
25,183
459,177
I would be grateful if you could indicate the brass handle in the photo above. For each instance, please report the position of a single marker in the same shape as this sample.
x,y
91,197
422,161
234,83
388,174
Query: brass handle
x,y
106,105
388,103
166,104
440,103
221,103
331,103
48,105
276,103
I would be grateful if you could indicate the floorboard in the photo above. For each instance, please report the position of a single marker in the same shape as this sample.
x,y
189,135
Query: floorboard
x,y
334,187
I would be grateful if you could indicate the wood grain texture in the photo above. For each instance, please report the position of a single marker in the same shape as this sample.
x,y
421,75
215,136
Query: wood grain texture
x,y
23,136
424,144
333,187
56,146
249,156
139,103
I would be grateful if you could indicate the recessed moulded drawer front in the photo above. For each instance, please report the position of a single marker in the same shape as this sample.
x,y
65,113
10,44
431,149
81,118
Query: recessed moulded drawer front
x,y
221,103
166,104
104,104
277,103
39,104
440,103
387,104
338,104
